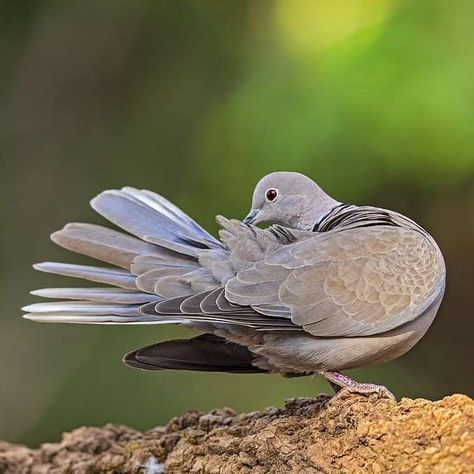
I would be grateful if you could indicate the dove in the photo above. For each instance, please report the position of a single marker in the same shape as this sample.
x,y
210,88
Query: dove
x,y
325,287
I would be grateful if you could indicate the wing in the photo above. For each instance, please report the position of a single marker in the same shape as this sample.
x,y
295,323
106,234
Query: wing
x,y
347,282
166,268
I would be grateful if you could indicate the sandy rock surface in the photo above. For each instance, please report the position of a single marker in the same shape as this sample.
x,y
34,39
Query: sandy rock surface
x,y
352,434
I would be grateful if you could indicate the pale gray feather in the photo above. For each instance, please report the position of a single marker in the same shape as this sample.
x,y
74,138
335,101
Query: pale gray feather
x,y
102,244
145,263
110,295
195,232
147,281
348,282
109,276
83,308
147,214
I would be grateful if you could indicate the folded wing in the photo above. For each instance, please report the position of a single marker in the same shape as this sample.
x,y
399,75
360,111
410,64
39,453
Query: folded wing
x,y
345,283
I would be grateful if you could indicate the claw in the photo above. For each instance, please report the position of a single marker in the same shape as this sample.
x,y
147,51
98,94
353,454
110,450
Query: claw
x,y
346,384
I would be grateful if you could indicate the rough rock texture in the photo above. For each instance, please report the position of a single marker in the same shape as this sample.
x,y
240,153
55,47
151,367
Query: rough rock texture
x,y
350,434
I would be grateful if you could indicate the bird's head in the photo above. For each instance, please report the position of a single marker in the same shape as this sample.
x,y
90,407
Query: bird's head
x,y
289,199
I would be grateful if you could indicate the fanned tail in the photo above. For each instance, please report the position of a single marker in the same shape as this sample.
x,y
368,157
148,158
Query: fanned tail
x,y
148,262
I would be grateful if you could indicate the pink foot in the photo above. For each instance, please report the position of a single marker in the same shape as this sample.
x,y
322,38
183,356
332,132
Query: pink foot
x,y
341,383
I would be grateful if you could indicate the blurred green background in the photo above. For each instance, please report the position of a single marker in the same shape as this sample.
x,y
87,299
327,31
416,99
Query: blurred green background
x,y
197,100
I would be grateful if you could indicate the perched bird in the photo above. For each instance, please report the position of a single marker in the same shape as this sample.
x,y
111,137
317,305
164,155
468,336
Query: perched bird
x,y
326,287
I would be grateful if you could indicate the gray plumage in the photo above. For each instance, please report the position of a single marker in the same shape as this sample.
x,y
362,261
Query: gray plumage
x,y
326,287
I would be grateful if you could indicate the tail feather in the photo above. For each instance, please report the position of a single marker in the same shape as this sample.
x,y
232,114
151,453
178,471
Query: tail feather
x,y
147,281
99,319
159,260
195,233
108,276
182,249
133,216
202,353
147,214
171,286
167,259
107,295
192,304
102,244
83,308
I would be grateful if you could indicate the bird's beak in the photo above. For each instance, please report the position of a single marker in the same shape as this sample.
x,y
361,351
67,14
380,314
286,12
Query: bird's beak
x,y
250,219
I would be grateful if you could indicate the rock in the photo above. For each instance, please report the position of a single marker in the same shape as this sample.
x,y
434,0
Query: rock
x,y
351,434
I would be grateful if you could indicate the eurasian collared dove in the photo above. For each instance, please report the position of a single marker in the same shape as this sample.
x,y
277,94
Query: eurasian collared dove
x,y
327,287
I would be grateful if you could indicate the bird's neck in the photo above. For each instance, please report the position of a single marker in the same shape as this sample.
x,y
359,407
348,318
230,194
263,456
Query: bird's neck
x,y
310,216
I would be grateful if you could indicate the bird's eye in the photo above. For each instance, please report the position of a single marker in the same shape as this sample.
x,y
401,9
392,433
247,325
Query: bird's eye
x,y
271,195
